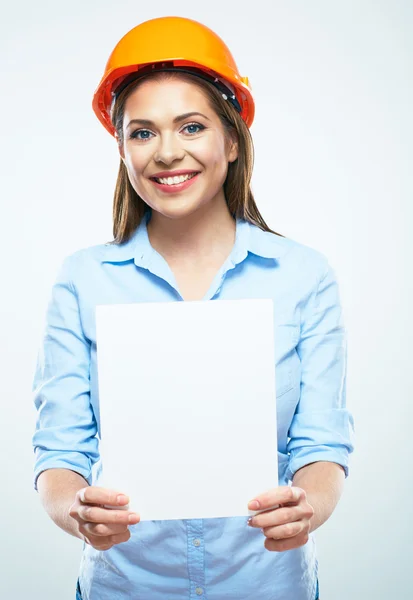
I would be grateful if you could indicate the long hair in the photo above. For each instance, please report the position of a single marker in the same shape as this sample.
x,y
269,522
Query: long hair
x,y
129,208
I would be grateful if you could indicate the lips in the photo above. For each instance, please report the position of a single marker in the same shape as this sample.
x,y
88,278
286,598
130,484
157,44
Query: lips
x,y
171,179
174,188
166,174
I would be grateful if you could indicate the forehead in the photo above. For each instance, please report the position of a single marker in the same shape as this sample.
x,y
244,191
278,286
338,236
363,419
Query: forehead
x,y
167,97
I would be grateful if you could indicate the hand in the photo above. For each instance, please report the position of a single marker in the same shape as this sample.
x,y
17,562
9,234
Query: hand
x,y
287,526
101,527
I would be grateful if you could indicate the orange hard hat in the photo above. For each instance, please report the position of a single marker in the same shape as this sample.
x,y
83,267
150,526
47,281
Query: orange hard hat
x,y
172,43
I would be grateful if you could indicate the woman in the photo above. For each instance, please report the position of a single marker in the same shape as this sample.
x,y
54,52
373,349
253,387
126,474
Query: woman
x,y
186,227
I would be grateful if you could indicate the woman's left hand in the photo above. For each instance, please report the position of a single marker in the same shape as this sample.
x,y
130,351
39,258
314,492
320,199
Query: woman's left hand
x,y
287,526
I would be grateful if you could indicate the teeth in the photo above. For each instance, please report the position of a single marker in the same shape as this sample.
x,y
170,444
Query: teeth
x,y
174,180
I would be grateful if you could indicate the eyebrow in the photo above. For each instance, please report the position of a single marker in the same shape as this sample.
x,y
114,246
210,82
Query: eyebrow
x,y
177,119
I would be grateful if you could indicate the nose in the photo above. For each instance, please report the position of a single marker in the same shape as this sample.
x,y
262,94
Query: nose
x,y
168,150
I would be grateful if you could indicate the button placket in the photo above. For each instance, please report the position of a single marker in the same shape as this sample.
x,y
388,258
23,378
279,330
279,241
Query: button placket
x,y
196,564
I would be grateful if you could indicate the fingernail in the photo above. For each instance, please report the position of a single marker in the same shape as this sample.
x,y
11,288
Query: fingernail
x,y
132,518
121,499
254,505
249,522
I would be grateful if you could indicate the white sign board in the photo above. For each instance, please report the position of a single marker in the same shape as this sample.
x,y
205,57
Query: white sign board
x,y
188,405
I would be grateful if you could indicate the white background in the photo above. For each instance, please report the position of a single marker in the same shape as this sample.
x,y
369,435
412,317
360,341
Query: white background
x,y
333,131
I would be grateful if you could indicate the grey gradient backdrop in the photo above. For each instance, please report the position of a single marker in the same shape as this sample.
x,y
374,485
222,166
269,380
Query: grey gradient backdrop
x,y
333,137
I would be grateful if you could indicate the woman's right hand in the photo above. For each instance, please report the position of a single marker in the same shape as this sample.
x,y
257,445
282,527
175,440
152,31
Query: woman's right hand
x,y
101,527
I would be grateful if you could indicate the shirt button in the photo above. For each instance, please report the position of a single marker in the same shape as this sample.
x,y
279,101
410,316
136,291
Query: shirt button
x,y
199,591
196,542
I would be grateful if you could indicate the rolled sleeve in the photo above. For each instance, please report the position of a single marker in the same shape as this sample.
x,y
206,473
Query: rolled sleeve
x,y
322,428
65,433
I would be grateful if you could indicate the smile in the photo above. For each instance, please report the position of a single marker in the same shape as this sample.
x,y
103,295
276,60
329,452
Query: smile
x,y
174,180
176,184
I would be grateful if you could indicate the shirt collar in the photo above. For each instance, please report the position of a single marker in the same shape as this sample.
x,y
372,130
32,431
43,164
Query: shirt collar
x,y
249,238
265,244
136,248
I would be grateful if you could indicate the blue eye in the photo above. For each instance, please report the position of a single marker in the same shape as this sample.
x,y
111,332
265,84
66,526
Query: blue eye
x,y
198,125
135,135
143,135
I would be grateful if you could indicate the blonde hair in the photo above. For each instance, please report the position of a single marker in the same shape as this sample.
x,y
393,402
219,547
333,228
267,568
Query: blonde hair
x,y
129,208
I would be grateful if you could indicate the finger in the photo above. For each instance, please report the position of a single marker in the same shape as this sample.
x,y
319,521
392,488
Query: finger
x,y
101,543
102,530
95,514
284,545
107,543
125,507
100,495
284,531
280,516
279,495
121,537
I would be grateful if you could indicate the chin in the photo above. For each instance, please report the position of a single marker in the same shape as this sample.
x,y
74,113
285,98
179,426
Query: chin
x,y
178,209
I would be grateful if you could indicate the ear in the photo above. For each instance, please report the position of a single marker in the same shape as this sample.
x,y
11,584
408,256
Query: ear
x,y
233,151
120,147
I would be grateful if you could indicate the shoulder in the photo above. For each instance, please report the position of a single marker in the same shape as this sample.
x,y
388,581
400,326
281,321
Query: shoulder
x,y
290,253
307,255
94,253
85,261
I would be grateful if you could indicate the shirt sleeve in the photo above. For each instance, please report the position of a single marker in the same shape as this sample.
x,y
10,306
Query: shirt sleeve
x,y
322,429
65,433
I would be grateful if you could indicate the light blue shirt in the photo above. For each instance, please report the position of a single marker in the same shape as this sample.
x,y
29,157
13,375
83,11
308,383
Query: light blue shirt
x,y
210,559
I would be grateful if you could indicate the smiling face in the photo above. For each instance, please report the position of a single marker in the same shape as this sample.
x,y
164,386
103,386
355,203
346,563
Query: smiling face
x,y
169,126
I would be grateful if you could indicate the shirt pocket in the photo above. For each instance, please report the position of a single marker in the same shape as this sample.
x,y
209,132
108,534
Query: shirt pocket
x,y
286,339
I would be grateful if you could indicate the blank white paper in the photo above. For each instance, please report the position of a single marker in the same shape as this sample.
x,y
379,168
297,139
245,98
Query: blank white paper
x,y
188,405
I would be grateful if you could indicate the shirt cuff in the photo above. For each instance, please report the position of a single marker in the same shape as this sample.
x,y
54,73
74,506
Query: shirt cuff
x,y
74,461
308,455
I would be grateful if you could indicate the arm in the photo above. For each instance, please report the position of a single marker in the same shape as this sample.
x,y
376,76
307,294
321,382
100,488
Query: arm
x,y
58,489
322,428
300,508
64,441
82,514
321,431
323,483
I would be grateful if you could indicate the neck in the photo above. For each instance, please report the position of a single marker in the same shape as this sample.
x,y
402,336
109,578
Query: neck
x,y
209,230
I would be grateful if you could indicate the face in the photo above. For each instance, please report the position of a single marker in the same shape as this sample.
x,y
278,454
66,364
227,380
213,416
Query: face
x,y
170,130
